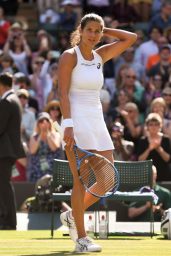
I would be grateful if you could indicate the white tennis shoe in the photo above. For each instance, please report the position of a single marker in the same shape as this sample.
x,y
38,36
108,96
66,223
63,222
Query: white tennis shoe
x,y
67,220
85,244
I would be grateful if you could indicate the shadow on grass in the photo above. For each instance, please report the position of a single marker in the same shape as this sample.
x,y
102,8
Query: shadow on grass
x,y
62,253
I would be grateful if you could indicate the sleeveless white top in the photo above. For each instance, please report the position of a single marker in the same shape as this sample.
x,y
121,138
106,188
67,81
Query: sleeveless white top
x,y
86,110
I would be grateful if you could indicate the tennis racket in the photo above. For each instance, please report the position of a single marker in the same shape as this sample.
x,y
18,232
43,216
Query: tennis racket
x,y
97,174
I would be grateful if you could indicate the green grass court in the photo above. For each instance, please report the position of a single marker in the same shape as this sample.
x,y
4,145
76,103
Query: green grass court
x,y
33,243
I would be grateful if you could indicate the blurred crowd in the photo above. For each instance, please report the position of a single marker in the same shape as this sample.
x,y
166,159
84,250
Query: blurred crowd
x,y
136,96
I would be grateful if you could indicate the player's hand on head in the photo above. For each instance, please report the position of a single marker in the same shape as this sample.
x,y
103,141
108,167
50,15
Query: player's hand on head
x,y
69,137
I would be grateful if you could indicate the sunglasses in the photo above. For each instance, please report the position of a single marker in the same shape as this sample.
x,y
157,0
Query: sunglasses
x,y
39,62
54,108
166,94
133,77
22,97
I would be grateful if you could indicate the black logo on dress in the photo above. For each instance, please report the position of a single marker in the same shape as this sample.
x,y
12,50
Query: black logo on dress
x,y
98,65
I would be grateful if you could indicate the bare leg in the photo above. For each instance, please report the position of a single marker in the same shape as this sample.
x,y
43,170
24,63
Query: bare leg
x,y
90,199
77,197
80,199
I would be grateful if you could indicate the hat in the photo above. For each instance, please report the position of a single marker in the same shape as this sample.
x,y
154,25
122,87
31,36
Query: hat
x,y
51,104
43,115
23,92
16,25
70,2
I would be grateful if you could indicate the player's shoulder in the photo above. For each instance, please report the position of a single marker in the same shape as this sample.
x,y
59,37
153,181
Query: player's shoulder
x,y
68,55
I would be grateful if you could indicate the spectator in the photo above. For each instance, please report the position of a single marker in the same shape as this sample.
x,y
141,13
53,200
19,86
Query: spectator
x,y
53,108
155,58
44,146
156,146
118,104
158,105
42,200
41,82
68,18
138,211
149,47
162,20
133,88
132,126
54,94
163,67
4,27
166,94
23,82
128,58
123,149
10,149
18,48
153,89
7,64
28,117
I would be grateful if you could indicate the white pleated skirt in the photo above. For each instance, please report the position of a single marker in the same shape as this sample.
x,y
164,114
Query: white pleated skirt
x,y
90,130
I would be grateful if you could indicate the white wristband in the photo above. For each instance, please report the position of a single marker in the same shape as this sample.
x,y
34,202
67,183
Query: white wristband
x,y
67,123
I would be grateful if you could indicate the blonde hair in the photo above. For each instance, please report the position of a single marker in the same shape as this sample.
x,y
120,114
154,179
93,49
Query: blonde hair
x,y
153,117
75,36
159,100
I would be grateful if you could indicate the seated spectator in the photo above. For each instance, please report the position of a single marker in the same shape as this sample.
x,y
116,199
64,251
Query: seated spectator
x,y
132,125
162,20
153,89
7,64
149,47
166,94
133,88
156,146
123,149
4,27
158,105
23,82
128,58
118,104
155,58
68,17
28,117
44,146
53,94
138,211
163,67
18,48
53,108
42,200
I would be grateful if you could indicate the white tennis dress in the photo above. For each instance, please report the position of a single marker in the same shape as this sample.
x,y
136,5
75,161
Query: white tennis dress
x,y
86,110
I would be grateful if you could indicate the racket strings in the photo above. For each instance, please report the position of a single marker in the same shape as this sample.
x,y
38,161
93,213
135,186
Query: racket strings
x,y
98,175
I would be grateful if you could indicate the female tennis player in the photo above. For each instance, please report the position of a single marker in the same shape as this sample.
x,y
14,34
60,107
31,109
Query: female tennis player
x,y
80,80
